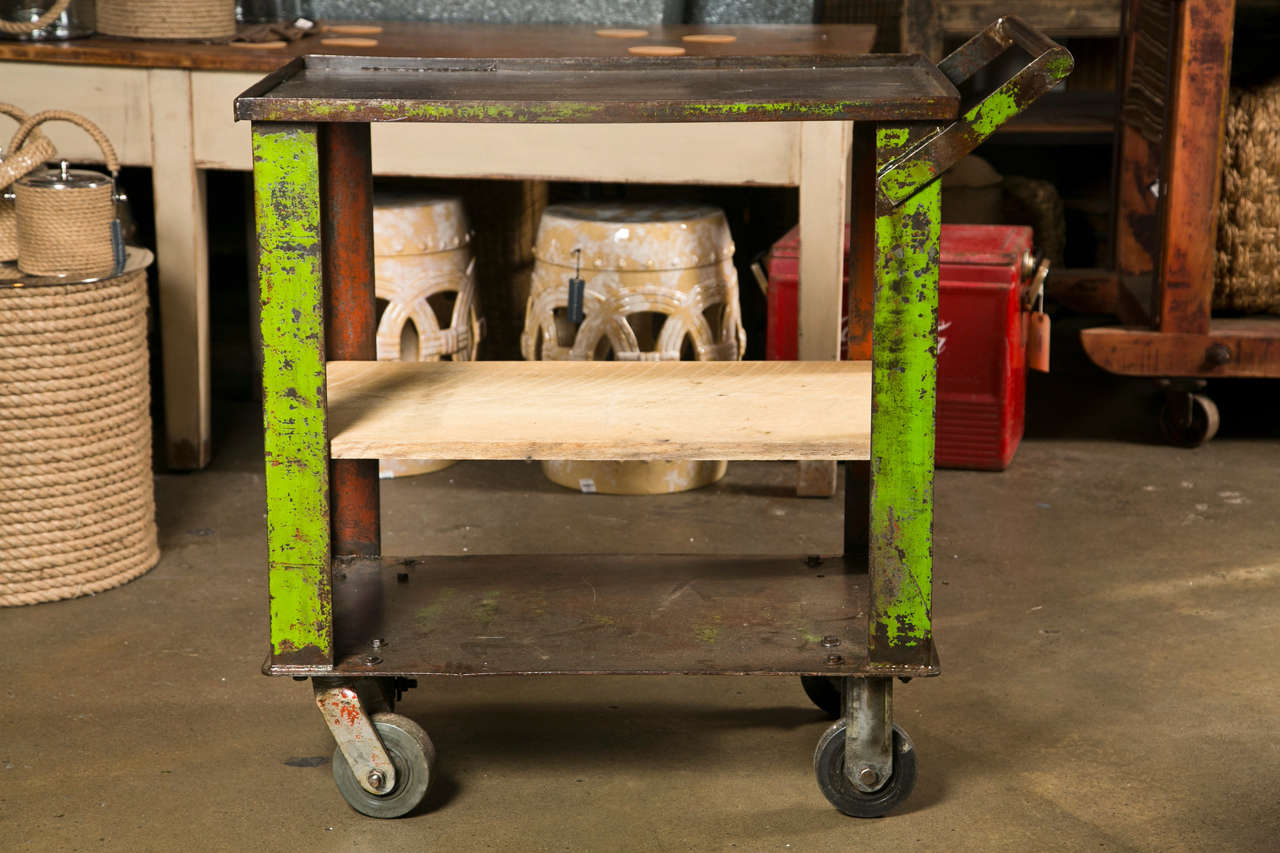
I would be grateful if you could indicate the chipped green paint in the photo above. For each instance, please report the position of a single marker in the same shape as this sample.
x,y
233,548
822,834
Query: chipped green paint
x,y
773,108
895,137
904,374
286,176
912,167
992,111
902,181
707,634
486,610
428,617
551,112
1060,65
562,111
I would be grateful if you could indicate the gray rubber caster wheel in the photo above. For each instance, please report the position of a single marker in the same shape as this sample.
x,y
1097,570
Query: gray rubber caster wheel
x,y
825,692
412,755
1189,420
828,765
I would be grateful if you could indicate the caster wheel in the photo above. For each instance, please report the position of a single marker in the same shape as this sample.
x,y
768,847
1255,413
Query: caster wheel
x,y
825,692
828,764
1189,420
412,755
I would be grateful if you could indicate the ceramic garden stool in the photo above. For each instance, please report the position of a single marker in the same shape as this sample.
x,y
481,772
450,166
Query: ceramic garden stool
x,y
659,285
424,277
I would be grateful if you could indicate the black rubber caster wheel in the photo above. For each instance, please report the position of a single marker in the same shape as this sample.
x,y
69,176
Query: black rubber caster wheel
x,y
1189,420
828,765
412,754
825,692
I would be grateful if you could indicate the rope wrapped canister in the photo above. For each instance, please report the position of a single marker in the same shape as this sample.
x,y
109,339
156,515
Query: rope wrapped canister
x,y
77,511
65,230
191,20
35,152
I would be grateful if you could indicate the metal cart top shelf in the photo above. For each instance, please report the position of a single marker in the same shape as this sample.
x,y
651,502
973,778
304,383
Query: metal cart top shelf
x,y
584,91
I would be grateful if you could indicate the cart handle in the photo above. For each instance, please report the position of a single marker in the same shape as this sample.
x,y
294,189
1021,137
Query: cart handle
x,y
940,150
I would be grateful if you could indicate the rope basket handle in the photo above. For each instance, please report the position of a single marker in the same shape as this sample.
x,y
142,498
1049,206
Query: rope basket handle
x,y
20,27
38,150
32,122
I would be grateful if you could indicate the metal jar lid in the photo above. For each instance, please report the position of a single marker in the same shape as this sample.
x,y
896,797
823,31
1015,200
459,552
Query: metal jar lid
x,y
63,178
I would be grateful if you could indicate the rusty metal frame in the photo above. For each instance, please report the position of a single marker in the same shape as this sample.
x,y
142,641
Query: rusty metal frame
x,y
313,203
926,160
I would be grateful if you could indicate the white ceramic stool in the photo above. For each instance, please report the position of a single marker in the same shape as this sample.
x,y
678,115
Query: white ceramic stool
x,y
660,285
424,278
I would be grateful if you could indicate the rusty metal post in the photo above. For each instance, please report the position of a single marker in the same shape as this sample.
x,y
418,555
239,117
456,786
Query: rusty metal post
x,y
1193,163
350,316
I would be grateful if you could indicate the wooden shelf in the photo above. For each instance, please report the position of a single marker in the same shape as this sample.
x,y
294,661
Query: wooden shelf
x,y
600,410
594,614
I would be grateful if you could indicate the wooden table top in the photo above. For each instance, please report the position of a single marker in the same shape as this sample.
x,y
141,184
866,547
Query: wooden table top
x,y
401,39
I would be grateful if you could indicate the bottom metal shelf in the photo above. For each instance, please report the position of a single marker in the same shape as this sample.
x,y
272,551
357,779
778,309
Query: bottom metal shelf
x,y
600,615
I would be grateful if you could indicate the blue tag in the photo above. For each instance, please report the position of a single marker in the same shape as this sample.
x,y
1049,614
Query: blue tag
x,y
577,288
117,245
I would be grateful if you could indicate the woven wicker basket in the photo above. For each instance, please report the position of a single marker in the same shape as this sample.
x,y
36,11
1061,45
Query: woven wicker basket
x,y
1248,268
77,513
190,20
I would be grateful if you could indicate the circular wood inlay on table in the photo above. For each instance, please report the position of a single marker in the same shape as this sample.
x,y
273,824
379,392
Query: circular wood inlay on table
x,y
710,38
656,50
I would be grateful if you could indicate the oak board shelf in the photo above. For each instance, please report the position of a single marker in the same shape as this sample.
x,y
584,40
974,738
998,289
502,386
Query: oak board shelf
x,y
585,614
600,410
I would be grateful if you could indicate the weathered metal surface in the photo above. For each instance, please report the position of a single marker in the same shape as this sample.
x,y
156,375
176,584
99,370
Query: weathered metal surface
x,y
1193,165
350,723
1051,63
346,209
862,243
857,513
286,173
600,90
601,614
903,391
868,733
1244,347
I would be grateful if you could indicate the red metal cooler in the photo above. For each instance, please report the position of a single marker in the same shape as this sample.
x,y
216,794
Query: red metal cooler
x,y
982,338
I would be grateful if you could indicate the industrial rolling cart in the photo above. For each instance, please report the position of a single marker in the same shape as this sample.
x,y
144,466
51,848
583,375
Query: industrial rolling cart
x,y
364,626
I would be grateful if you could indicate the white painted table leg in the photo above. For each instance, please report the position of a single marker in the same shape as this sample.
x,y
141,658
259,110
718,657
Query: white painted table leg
x,y
824,206
182,261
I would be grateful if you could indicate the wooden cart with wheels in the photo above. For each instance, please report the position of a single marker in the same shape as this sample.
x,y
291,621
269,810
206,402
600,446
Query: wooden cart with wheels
x,y
364,626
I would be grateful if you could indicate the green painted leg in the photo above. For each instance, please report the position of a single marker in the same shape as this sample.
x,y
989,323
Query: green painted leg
x,y
904,374
286,178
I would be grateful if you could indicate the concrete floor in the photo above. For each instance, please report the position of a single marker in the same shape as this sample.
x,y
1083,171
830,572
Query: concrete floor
x,y
1106,612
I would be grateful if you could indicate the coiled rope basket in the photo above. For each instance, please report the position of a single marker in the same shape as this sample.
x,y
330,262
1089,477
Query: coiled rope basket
x,y
1248,275
167,19
77,511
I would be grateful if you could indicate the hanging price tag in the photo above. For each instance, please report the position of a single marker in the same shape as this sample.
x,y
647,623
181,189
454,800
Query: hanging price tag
x,y
577,290
1038,338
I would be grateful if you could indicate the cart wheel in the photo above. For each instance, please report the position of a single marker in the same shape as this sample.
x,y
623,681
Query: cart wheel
x,y
1189,420
825,692
412,755
828,764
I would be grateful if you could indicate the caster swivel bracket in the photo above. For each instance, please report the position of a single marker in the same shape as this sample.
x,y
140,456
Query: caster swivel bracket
x,y
868,734
348,718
